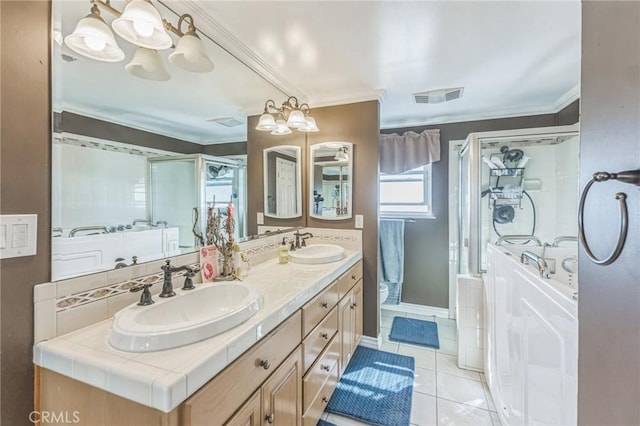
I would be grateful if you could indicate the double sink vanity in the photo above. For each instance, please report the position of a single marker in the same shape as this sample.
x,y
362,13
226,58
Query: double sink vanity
x,y
267,350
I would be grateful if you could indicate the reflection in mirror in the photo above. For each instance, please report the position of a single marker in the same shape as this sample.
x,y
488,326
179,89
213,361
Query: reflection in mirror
x,y
331,180
282,182
114,205
119,173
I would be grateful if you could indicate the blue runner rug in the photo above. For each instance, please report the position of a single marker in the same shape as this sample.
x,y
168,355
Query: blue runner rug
x,y
324,423
376,388
418,332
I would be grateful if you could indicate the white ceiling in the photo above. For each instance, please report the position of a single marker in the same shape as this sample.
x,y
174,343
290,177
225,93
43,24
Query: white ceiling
x,y
513,58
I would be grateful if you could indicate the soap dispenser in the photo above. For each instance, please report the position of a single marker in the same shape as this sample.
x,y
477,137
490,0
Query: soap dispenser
x,y
283,252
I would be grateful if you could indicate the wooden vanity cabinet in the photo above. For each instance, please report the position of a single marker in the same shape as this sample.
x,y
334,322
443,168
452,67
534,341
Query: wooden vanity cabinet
x,y
286,379
250,414
350,324
325,360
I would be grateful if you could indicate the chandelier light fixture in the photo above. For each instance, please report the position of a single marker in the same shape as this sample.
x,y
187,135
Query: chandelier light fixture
x,y
291,115
140,24
342,154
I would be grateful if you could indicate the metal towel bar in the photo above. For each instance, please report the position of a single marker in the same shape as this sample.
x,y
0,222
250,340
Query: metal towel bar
x,y
509,238
629,176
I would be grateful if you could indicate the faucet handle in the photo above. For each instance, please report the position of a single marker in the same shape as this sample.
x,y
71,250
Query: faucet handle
x,y
188,280
145,297
167,266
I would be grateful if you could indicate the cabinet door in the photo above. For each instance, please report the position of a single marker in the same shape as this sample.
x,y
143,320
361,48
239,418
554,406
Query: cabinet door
x,y
357,313
248,414
282,394
346,327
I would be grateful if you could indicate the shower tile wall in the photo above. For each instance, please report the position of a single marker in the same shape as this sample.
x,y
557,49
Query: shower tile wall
x,y
567,163
556,166
96,187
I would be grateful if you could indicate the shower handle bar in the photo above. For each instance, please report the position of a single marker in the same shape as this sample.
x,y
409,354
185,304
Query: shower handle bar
x,y
631,177
508,238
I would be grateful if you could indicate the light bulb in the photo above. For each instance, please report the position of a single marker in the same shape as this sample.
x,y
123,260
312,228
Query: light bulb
x,y
143,28
95,44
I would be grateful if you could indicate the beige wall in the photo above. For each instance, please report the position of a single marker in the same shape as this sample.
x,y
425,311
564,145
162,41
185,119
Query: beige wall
x,y
357,123
25,178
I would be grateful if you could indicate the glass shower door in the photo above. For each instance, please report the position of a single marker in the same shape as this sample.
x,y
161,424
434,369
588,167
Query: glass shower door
x,y
174,192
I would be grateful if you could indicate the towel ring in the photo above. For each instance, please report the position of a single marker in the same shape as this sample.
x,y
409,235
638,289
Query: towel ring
x,y
631,177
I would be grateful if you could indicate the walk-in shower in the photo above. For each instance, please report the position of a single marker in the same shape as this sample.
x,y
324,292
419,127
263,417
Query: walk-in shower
x,y
517,182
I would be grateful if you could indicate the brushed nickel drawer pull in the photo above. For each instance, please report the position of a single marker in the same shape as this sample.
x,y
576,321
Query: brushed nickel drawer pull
x,y
270,418
265,364
354,305
324,367
325,399
324,304
325,336
353,277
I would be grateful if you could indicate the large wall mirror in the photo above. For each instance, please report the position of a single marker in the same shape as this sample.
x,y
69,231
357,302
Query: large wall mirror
x,y
282,182
132,140
331,180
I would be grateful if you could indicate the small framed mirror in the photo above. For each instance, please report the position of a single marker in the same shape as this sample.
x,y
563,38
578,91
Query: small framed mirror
x,y
282,182
331,180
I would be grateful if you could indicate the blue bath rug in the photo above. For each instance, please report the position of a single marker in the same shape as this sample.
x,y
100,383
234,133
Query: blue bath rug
x,y
376,388
415,331
324,423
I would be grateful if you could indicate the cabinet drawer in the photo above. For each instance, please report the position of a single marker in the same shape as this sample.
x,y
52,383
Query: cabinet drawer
x,y
317,406
319,337
349,278
319,372
217,400
319,307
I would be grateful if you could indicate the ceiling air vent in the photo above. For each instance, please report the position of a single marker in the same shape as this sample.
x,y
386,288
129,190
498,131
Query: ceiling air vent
x,y
226,121
438,96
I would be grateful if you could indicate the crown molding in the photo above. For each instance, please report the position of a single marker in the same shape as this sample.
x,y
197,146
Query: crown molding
x,y
567,98
367,95
211,26
563,101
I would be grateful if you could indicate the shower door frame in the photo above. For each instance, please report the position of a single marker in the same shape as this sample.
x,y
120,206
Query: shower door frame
x,y
472,146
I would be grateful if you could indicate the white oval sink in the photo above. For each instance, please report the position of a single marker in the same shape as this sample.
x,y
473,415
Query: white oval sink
x,y
318,253
191,316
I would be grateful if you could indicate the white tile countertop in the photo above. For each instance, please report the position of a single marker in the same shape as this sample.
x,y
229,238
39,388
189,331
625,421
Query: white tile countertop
x,y
164,379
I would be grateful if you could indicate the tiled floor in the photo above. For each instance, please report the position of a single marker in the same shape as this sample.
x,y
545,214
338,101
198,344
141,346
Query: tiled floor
x,y
443,394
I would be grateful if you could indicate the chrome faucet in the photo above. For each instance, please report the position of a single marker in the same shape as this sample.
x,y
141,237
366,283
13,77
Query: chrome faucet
x,y
167,283
558,240
527,257
121,263
302,237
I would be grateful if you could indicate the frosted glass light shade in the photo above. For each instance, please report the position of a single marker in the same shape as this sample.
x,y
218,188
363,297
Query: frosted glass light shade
x,y
266,123
141,24
190,54
310,125
93,38
341,155
296,119
282,128
147,64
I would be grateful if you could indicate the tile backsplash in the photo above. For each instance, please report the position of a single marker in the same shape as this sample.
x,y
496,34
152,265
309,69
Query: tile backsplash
x,y
65,306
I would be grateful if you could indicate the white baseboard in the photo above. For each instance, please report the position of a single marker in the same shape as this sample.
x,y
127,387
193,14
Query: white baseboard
x,y
418,309
371,342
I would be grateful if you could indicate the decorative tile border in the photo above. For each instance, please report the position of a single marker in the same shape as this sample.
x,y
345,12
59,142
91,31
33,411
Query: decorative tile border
x,y
79,299
74,302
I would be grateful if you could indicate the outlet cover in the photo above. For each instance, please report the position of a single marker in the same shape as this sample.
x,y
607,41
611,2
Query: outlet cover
x,y
359,221
260,218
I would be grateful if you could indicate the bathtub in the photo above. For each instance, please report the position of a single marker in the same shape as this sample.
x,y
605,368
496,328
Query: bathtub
x,y
531,338
86,254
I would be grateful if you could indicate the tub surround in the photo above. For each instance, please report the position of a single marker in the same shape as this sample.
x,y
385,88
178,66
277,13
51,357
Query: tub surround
x,y
164,379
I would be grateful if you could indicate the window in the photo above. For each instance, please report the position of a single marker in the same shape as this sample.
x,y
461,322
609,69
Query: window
x,y
406,194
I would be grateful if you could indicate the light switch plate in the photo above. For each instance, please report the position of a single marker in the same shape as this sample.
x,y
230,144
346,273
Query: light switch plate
x,y
260,218
359,221
18,235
